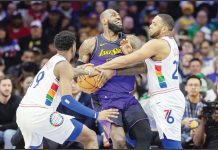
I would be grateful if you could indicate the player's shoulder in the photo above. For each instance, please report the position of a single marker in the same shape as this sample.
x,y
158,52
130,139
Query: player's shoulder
x,y
158,42
90,41
62,65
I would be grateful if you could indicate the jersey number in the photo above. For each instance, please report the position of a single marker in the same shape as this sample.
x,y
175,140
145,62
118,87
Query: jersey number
x,y
39,77
174,76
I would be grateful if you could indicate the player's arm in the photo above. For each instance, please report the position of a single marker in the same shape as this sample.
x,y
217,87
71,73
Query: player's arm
x,y
86,50
64,72
148,50
133,69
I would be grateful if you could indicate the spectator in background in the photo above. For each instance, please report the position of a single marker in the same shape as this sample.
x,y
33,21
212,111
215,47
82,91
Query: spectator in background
x,y
11,8
214,76
52,24
93,24
83,35
206,135
2,65
68,12
128,25
184,70
193,109
149,7
187,47
201,25
2,12
215,36
207,57
187,19
99,7
134,13
24,82
198,39
8,106
28,64
9,49
35,39
16,29
35,12
215,46
207,87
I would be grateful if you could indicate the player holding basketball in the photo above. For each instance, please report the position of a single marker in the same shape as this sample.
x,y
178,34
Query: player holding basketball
x,y
36,114
161,55
117,92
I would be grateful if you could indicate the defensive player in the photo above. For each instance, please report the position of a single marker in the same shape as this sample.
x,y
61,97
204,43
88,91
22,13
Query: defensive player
x,y
161,54
36,114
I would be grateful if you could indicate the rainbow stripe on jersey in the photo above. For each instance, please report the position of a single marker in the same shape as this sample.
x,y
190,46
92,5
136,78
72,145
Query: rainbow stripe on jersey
x,y
51,93
161,79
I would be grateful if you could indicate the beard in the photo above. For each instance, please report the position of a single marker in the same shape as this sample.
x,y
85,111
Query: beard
x,y
115,28
155,34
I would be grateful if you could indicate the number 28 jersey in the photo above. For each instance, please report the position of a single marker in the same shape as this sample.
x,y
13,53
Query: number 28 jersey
x,y
44,89
163,75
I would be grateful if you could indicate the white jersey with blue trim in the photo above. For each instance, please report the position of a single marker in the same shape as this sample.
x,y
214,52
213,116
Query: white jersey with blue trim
x,y
163,75
44,89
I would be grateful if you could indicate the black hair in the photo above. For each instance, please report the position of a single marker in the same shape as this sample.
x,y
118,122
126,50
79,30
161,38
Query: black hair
x,y
64,40
196,59
193,77
168,20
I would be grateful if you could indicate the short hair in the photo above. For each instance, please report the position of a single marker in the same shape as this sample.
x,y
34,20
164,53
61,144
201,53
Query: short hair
x,y
196,59
64,40
168,20
193,77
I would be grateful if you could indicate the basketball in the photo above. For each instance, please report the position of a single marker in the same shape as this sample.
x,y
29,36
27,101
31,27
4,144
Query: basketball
x,y
88,84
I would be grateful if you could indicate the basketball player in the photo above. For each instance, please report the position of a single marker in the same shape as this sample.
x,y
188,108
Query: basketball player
x,y
117,92
161,55
36,114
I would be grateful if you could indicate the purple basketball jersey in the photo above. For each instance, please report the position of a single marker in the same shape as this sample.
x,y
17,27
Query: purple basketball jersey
x,y
118,85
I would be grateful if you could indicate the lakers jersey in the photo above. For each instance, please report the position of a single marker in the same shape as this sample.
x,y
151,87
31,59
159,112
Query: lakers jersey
x,y
44,89
105,51
163,75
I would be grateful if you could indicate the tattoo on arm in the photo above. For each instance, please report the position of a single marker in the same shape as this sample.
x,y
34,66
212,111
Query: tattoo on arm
x,y
133,69
134,41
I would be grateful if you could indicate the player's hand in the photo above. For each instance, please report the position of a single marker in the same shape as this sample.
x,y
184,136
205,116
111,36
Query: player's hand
x,y
104,76
107,114
91,71
126,46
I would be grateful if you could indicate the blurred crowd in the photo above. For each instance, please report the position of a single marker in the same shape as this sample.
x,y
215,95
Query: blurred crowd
x,y
27,29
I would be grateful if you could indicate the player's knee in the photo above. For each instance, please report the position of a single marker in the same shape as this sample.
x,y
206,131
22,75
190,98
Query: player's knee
x,y
141,130
118,140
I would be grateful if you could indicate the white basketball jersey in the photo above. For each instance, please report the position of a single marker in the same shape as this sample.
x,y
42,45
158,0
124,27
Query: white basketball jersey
x,y
163,75
44,89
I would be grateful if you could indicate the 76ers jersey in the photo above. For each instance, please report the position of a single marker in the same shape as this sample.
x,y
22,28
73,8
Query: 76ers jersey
x,y
163,75
44,88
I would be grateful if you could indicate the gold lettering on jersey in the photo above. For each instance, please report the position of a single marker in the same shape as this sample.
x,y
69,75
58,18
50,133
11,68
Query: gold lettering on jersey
x,y
114,51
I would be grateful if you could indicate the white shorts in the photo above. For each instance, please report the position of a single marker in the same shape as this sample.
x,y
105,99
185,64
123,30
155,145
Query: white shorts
x,y
38,122
167,109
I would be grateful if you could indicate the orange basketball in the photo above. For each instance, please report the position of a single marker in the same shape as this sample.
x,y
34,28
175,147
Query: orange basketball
x,y
88,84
